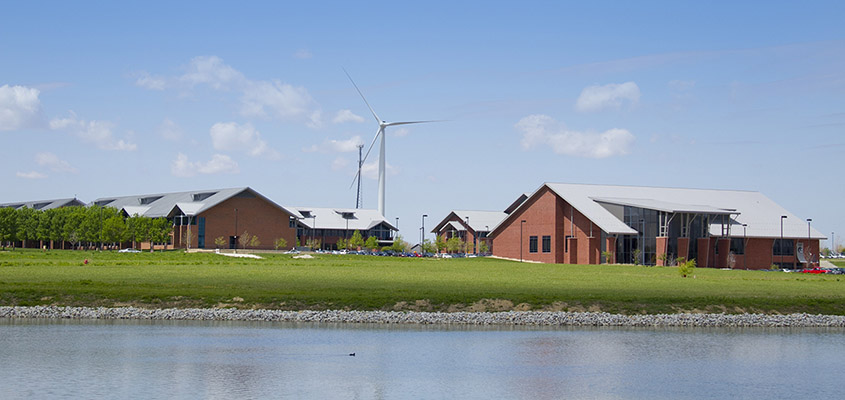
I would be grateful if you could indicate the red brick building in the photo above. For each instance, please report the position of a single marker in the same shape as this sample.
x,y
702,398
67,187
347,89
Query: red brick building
x,y
590,224
471,227
201,217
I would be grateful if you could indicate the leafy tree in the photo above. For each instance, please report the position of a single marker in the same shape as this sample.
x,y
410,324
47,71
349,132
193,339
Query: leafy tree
x,y
454,244
254,242
342,243
114,230
244,239
280,243
160,231
27,224
8,225
313,243
636,255
220,242
399,245
428,246
685,267
371,243
356,241
440,243
483,248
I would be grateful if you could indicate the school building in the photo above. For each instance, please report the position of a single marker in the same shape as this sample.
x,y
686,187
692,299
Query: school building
x,y
591,224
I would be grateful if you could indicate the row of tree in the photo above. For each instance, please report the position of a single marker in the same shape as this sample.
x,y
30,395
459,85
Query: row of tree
x,y
87,227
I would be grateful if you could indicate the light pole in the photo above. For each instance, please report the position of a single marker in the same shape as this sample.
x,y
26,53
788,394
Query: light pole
x,y
236,231
346,234
780,245
422,232
522,223
744,245
642,245
809,262
467,237
486,237
313,231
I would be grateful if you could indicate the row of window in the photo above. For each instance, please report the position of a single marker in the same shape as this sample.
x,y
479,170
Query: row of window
x,y
547,244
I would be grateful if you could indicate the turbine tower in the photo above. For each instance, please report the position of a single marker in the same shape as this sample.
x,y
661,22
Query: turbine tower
x,y
382,125
358,200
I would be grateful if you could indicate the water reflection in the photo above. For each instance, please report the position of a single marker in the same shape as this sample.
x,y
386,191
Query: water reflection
x,y
191,359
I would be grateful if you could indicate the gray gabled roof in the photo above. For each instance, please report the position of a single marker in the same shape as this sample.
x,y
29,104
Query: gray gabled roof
x,y
177,203
44,204
359,219
479,221
761,214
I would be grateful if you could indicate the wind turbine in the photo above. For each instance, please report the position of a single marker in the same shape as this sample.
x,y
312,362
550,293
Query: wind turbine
x,y
382,125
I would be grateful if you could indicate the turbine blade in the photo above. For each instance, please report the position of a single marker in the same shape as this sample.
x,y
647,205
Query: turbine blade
x,y
380,132
411,122
362,96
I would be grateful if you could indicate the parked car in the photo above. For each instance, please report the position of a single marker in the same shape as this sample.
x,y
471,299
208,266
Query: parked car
x,y
815,271
129,251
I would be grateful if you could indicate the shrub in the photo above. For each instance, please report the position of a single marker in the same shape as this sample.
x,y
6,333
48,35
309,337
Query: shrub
x,y
685,267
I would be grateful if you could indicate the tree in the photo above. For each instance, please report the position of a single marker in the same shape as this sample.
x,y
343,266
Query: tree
x,y
483,248
220,241
342,243
254,241
8,225
685,267
428,246
371,243
440,243
454,244
248,240
114,230
399,245
27,224
357,241
160,231
313,243
280,243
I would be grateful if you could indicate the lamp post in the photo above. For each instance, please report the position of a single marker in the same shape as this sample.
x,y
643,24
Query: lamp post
x,y
744,245
236,231
313,230
486,237
467,237
346,234
809,261
642,244
422,232
521,224
780,245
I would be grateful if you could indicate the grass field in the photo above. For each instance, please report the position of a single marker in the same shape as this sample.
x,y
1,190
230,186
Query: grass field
x,y
177,279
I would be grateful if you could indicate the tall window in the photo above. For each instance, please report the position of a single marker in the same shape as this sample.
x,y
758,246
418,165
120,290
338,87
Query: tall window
x,y
738,246
786,247
547,244
532,244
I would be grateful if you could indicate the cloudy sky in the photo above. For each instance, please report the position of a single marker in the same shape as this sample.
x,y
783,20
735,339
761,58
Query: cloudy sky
x,y
104,98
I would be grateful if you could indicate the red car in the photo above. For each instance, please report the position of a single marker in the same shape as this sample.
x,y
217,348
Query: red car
x,y
815,271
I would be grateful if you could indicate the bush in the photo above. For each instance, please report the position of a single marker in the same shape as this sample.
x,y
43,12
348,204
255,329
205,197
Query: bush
x,y
685,267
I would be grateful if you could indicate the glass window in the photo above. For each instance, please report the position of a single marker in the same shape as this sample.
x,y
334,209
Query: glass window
x,y
532,244
785,247
738,246
547,244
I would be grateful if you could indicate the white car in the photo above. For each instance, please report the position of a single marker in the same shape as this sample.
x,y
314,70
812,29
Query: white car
x,y
129,251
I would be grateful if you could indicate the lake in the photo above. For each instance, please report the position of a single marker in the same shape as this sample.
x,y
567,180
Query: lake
x,y
242,360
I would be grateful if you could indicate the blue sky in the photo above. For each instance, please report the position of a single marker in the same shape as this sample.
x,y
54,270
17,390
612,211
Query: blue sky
x,y
107,98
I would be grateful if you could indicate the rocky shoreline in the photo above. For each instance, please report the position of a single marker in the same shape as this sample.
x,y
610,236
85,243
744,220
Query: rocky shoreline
x,y
523,318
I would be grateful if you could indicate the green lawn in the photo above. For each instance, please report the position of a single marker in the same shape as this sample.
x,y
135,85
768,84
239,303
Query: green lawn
x,y
177,279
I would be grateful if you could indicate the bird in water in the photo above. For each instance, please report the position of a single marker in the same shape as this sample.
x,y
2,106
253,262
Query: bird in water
x,y
351,354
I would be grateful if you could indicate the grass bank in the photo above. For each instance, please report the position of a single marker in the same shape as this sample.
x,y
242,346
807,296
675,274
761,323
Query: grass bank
x,y
177,279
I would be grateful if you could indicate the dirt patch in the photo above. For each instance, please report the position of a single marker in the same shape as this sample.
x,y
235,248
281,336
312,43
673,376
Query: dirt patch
x,y
491,305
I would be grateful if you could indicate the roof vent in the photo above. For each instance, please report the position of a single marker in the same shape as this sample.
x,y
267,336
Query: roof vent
x,y
38,206
148,200
202,196
103,202
305,214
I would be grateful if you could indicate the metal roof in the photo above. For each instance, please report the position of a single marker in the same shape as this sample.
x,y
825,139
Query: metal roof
x,y
761,214
333,218
168,204
44,204
479,221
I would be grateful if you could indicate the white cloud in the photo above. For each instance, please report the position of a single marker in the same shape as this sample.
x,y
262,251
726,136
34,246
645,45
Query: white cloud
x,y
97,132
53,162
302,54
218,164
337,146
595,98
31,175
19,107
212,71
370,170
339,164
169,130
347,116
399,132
542,130
151,82
229,136
262,98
